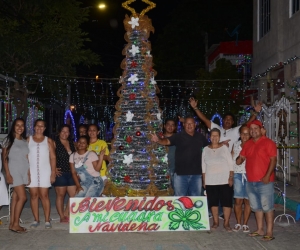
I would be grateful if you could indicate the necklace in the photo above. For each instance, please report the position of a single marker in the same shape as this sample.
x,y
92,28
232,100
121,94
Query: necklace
x,y
214,149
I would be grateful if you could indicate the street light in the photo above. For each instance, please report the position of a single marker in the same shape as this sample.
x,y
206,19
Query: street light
x,y
102,6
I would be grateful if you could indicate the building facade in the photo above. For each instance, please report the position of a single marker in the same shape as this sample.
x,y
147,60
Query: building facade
x,y
276,70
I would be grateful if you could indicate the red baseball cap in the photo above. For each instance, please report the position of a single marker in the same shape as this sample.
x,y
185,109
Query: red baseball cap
x,y
255,122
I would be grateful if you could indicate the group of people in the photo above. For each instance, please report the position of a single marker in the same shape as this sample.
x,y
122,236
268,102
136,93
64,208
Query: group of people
x,y
239,162
37,162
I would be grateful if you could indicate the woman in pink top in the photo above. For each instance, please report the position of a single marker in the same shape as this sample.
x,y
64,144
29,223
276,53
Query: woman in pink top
x,y
86,165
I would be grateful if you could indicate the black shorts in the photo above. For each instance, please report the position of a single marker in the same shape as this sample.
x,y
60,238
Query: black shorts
x,y
222,194
64,180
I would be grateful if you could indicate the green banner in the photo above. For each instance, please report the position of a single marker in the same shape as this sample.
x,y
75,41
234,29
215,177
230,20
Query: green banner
x,y
138,214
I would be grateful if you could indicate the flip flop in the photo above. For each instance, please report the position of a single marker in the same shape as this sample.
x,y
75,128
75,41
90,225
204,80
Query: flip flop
x,y
15,231
267,238
228,229
254,234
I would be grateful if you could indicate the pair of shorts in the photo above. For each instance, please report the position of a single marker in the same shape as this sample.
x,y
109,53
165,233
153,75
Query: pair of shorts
x,y
64,180
239,186
261,196
219,194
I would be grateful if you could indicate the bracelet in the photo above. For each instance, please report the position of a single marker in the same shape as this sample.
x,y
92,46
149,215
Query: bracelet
x,y
195,108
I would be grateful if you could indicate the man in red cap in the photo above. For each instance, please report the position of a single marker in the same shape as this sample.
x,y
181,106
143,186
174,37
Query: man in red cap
x,y
260,154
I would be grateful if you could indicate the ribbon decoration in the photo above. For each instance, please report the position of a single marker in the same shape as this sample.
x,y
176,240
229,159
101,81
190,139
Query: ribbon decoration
x,y
189,218
132,10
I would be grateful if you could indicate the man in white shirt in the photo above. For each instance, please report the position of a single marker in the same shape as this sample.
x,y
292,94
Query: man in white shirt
x,y
229,134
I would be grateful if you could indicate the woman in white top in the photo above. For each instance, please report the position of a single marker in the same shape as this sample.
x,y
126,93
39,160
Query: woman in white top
x,y
42,161
217,171
240,180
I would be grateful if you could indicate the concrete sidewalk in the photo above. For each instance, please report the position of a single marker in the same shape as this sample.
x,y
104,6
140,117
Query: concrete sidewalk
x,y
286,236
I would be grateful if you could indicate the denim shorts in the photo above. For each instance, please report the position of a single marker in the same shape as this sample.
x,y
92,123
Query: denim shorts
x,y
64,180
239,186
261,196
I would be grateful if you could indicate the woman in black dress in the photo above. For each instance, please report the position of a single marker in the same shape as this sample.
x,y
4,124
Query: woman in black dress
x,y
64,182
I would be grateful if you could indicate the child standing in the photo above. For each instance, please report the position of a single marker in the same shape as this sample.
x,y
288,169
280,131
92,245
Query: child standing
x,y
98,145
86,165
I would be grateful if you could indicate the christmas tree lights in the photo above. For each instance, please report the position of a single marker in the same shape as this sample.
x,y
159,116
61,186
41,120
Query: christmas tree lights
x,y
138,166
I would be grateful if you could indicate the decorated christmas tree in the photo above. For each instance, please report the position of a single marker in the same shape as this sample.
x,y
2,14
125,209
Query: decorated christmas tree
x,y
138,167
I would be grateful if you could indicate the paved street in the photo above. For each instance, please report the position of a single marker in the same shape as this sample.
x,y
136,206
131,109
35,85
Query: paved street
x,y
58,238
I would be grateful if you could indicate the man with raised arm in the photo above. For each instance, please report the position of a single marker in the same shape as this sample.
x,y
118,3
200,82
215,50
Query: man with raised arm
x,y
229,134
188,161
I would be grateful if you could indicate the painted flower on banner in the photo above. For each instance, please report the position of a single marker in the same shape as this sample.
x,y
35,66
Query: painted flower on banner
x,y
186,215
133,78
129,116
134,50
128,159
134,22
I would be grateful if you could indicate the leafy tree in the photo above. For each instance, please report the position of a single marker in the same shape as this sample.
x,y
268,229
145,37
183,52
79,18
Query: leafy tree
x,y
42,37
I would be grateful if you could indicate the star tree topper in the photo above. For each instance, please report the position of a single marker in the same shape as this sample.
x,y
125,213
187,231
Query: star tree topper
x,y
128,159
134,22
129,116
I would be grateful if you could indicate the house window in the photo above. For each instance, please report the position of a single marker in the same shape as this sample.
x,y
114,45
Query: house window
x,y
264,17
295,4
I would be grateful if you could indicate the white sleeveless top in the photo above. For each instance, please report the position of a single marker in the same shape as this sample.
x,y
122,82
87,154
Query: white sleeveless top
x,y
240,169
39,161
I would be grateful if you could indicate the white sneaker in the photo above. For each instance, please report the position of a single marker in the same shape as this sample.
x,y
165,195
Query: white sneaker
x,y
48,225
34,224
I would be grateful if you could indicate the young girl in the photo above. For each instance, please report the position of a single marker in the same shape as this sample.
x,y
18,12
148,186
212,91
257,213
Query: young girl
x,y
240,180
86,165
97,145
15,161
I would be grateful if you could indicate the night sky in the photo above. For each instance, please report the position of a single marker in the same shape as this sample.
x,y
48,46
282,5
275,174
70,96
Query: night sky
x,y
106,30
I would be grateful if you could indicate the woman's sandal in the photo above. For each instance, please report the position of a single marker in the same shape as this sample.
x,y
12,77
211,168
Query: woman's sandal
x,y
245,229
254,234
214,227
64,220
237,228
267,238
228,229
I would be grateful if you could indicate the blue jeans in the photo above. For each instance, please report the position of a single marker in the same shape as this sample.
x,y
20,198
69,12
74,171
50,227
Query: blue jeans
x,y
187,185
261,196
239,186
92,186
